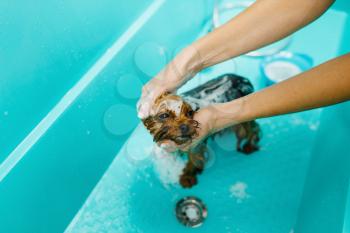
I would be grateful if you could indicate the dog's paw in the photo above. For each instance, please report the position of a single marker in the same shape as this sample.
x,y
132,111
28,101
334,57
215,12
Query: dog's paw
x,y
249,148
187,181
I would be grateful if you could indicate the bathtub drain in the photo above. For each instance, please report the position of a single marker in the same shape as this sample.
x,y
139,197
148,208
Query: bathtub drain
x,y
191,212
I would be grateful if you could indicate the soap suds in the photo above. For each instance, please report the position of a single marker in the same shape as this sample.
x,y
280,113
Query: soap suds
x,y
169,166
191,212
210,95
281,70
314,125
173,105
217,91
144,105
238,191
143,109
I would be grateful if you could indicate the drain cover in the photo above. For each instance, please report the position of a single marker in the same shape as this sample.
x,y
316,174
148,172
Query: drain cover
x,y
191,212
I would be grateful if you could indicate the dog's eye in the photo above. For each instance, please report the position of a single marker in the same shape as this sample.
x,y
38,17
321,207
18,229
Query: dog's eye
x,y
163,116
190,113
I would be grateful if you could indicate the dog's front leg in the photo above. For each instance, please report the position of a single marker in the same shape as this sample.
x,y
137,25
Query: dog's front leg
x,y
194,166
250,134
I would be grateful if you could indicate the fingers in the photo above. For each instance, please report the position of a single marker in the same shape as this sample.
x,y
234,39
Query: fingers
x,y
176,73
169,79
149,94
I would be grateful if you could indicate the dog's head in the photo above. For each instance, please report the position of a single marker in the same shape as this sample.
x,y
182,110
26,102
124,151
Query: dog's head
x,y
171,119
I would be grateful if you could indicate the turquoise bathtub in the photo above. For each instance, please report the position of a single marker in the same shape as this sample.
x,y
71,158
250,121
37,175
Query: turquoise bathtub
x,y
74,157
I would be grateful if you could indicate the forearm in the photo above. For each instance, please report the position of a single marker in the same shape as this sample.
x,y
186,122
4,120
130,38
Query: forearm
x,y
266,21
324,85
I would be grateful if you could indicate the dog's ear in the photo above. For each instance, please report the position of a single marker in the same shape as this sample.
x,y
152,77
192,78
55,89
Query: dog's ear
x,y
187,110
148,122
161,96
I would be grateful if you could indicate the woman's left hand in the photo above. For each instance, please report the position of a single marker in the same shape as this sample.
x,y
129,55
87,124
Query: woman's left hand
x,y
206,118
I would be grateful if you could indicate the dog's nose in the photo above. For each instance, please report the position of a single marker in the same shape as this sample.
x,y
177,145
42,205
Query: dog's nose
x,y
184,128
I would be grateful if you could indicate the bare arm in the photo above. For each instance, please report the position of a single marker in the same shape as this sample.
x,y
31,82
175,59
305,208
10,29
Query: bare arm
x,y
324,85
266,21
263,23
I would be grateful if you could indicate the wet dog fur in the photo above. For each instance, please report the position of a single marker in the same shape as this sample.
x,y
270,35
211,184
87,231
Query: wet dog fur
x,y
172,119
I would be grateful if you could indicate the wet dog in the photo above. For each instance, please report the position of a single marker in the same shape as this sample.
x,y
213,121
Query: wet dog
x,y
172,119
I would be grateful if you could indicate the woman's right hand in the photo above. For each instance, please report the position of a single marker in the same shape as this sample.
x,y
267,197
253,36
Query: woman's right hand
x,y
174,75
166,81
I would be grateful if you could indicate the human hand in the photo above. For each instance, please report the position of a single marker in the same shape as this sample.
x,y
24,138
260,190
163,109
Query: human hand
x,y
176,73
212,119
166,81
206,118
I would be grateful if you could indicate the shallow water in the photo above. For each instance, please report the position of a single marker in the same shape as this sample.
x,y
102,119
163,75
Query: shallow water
x,y
60,164
242,193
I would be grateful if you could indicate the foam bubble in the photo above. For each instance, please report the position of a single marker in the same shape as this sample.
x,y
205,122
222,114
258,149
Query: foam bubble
x,y
210,157
174,105
238,191
136,152
281,70
314,125
169,166
129,86
225,141
120,119
144,105
192,212
150,58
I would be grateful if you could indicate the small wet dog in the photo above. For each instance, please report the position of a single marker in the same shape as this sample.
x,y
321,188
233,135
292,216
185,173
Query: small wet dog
x,y
172,119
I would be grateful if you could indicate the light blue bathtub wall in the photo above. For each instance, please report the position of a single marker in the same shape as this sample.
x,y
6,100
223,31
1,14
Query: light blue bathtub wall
x,y
345,48
323,205
45,47
344,6
322,209
347,213
48,186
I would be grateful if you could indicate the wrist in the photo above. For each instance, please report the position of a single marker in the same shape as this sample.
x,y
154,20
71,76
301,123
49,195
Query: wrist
x,y
183,67
186,64
193,60
230,113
